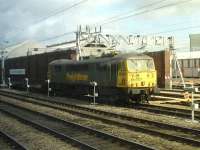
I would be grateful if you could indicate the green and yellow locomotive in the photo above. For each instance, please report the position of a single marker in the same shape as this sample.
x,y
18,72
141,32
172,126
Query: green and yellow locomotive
x,y
120,78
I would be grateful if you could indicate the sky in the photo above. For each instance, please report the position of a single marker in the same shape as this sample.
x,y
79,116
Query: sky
x,y
29,19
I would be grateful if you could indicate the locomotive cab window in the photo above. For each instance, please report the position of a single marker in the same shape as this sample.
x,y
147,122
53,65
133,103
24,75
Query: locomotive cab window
x,y
140,64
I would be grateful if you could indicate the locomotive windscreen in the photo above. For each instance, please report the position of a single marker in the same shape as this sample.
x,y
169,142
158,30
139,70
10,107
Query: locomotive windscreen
x,y
140,64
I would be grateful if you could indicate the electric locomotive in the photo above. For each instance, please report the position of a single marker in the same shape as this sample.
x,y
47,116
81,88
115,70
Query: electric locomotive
x,y
120,78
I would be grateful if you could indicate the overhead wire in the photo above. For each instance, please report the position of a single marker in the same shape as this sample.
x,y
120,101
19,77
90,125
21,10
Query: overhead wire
x,y
115,18
56,36
132,11
157,8
174,30
145,11
55,12
60,11
167,31
174,24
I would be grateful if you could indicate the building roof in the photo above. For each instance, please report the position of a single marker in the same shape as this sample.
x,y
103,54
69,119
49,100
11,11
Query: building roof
x,y
22,49
103,60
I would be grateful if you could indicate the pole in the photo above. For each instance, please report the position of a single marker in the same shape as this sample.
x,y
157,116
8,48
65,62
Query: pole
x,y
192,105
78,48
170,71
94,84
171,48
27,85
179,69
3,67
175,69
48,86
3,52
9,83
94,94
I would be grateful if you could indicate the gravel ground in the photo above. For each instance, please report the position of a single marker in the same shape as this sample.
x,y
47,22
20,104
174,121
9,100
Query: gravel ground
x,y
4,145
139,113
32,138
172,103
156,142
147,115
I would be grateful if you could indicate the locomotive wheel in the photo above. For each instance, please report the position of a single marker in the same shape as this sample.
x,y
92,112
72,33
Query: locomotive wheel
x,y
143,98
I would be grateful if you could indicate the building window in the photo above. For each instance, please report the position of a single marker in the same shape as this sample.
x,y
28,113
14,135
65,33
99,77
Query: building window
x,y
199,62
195,63
185,63
188,65
191,63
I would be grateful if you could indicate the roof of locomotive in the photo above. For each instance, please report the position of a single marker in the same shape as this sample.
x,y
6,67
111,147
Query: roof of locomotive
x,y
114,59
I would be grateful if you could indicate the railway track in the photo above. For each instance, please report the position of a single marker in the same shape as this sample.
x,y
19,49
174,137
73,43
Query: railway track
x,y
87,138
170,132
184,113
175,94
12,141
176,90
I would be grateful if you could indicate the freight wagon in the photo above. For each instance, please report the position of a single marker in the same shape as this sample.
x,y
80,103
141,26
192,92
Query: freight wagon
x,y
33,67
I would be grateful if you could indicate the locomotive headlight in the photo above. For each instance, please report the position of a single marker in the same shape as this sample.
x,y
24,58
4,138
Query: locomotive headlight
x,y
142,83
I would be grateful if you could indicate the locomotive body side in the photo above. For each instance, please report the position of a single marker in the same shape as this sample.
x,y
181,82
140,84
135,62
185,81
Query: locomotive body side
x,y
117,77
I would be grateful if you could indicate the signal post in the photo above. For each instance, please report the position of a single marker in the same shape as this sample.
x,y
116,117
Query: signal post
x,y
189,96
